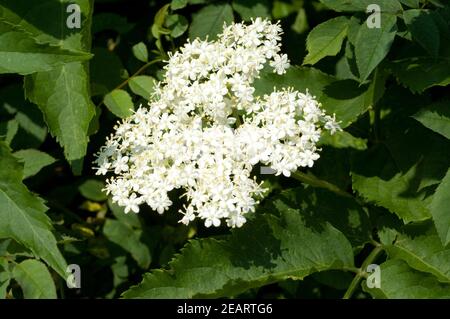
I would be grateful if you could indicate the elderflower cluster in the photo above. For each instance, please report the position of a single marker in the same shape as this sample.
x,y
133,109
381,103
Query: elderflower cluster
x,y
205,129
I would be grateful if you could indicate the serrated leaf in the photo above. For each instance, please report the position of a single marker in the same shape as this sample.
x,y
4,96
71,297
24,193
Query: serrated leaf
x,y
391,6
421,73
345,98
396,174
436,117
420,247
142,85
209,21
119,102
343,213
373,44
140,51
63,97
423,29
265,251
19,53
35,280
440,209
22,214
399,281
326,39
27,16
63,93
129,239
34,161
92,189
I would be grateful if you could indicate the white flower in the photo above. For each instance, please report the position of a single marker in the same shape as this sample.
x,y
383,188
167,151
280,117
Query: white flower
x,y
280,63
205,129
131,203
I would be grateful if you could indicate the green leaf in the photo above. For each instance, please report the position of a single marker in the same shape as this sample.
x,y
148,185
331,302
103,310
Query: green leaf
x,y
343,140
377,178
373,44
440,209
22,214
300,24
436,117
281,9
249,9
396,174
399,281
326,39
291,244
157,28
209,21
178,25
142,85
5,276
27,16
129,239
421,73
130,219
63,93
178,4
140,52
63,97
342,212
119,102
92,189
411,3
19,53
34,161
390,6
28,129
419,246
8,130
346,98
35,280
423,29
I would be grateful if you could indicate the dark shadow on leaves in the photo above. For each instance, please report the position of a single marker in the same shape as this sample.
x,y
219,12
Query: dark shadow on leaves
x,y
48,16
256,248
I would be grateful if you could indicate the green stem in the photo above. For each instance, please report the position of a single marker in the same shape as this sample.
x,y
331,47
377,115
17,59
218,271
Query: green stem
x,y
316,182
141,69
362,271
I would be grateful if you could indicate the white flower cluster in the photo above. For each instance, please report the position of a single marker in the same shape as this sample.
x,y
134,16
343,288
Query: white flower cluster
x,y
204,130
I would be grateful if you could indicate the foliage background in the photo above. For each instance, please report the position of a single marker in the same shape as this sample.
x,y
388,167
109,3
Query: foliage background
x,y
379,193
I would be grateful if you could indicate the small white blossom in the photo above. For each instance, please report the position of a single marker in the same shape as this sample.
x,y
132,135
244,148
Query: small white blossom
x,y
205,129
